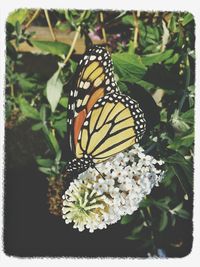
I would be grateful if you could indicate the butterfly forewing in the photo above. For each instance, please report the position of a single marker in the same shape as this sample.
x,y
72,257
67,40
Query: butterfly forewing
x,y
94,79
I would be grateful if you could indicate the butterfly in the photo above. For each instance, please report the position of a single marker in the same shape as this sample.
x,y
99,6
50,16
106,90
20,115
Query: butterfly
x,y
101,120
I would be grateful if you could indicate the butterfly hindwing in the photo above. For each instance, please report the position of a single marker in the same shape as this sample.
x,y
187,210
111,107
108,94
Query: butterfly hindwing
x,y
114,123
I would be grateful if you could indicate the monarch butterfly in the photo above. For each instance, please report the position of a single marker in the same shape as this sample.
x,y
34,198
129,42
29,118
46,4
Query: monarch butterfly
x,y
101,120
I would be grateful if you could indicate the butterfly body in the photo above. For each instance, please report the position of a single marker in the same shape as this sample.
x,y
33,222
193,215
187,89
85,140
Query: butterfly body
x,y
102,121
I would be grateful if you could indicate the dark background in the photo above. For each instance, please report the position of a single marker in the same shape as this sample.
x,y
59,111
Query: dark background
x,y
29,229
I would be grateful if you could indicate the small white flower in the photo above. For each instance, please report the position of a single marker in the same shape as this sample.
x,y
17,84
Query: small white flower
x,y
93,201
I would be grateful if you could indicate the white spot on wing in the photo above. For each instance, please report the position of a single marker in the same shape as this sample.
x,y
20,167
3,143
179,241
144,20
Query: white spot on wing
x,y
86,85
107,81
78,103
97,82
85,100
81,84
92,57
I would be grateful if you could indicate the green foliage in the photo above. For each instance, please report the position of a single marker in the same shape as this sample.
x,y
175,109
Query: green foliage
x,y
18,15
54,90
54,48
160,57
27,109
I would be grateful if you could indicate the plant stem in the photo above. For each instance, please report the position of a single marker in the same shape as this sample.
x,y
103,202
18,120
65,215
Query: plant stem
x,y
78,30
72,45
136,29
36,13
102,27
49,24
52,129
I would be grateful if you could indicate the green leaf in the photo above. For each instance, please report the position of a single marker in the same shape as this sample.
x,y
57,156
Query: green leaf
x,y
17,15
122,86
64,102
187,19
151,59
184,166
54,48
188,116
184,214
27,110
127,20
61,126
44,162
169,174
54,90
73,65
186,140
163,221
27,83
185,183
178,207
161,204
54,142
43,113
136,230
45,170
126,219
128,65
37,126
173,24
51,140
172,60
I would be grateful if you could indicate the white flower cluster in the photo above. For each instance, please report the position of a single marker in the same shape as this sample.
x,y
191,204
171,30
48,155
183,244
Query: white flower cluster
x,y
100,196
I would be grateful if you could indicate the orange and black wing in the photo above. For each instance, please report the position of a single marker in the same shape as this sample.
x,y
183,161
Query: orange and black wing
x,y
115,123
94,79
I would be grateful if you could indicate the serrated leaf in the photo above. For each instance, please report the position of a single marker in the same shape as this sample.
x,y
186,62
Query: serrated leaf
x,y
27,110
154,58
128,65
54,48
54,90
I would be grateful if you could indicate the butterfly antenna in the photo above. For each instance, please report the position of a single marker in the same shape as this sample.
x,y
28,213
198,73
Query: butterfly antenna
x,y
99,172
